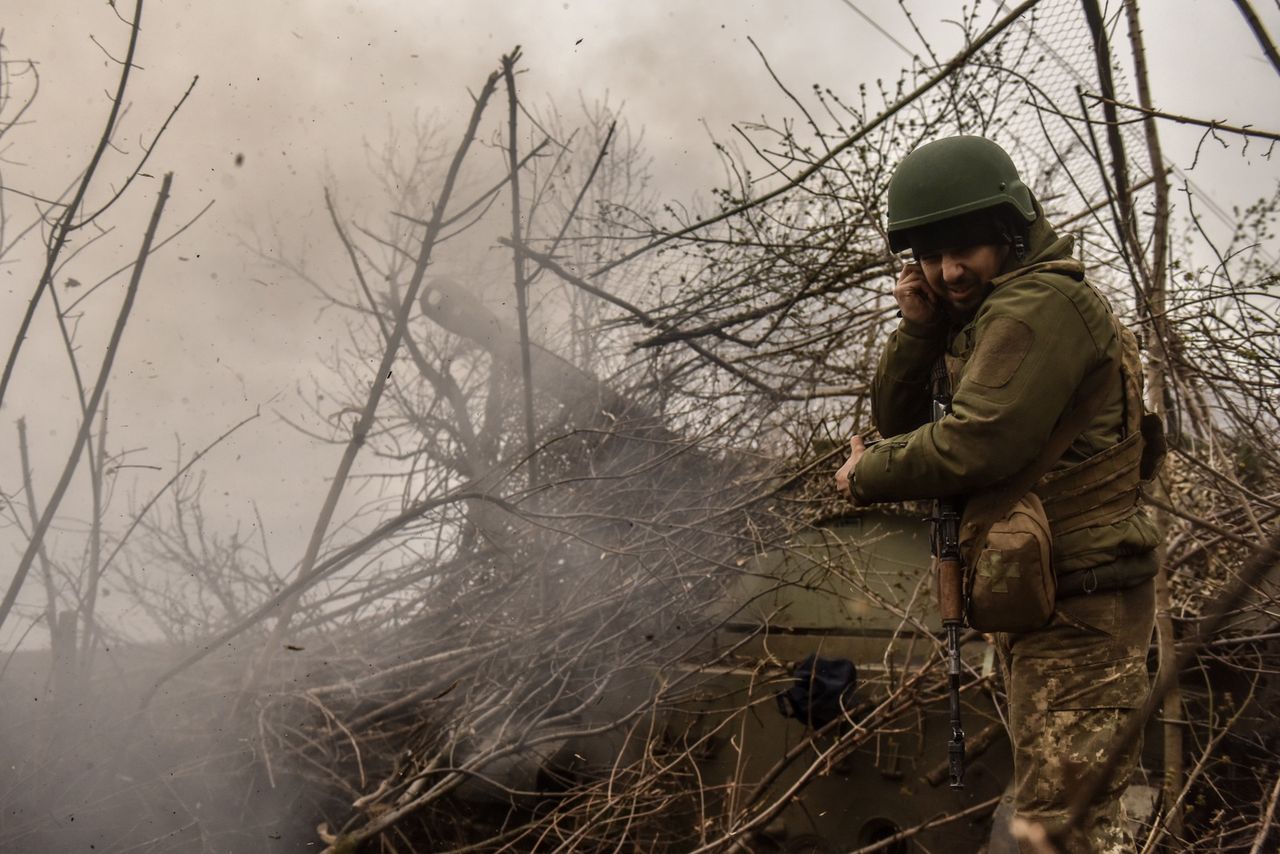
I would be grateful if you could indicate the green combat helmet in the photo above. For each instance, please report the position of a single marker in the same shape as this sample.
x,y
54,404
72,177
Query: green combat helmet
x,y
950,177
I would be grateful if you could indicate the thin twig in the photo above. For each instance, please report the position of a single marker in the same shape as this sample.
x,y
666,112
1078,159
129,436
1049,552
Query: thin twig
x,y
66,223
146,508
1260,33
86,424
1211,124
642,315
1267,818
284,606
517,265
946,71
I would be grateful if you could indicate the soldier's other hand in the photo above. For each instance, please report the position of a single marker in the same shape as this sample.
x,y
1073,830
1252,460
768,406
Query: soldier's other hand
x,y
915,298
844,477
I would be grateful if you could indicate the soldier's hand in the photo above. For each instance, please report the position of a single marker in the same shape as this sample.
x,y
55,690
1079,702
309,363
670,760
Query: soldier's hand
x,y
915,298
844,477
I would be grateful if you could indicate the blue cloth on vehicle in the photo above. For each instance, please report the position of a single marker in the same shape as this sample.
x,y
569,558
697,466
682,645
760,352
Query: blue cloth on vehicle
x,y
822,691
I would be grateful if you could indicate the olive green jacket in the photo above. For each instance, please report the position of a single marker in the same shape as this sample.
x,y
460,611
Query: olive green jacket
x,y
1017,365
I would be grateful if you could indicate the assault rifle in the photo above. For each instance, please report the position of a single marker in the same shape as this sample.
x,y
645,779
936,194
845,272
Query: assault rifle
x,y
950,569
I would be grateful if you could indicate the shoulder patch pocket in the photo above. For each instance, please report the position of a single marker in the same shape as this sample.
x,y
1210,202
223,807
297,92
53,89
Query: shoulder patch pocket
x,y
1005,342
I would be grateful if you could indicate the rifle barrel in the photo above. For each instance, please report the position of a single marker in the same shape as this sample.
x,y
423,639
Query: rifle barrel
x,y
950,569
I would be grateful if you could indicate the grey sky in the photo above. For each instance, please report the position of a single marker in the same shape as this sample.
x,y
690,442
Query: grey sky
x,y
296,87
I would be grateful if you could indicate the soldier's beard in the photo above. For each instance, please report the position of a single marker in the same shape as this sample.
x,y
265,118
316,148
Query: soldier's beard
x,y
960,305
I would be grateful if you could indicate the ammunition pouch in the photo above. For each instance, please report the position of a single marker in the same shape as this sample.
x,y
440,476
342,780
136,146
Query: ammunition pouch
x,y
1104,489
1101,490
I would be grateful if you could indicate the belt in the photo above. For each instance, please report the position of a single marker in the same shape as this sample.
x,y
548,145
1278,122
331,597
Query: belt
x,y
1120,574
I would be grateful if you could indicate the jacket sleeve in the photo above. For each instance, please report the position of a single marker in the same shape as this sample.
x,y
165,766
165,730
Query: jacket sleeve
x,y
900,390
1031,350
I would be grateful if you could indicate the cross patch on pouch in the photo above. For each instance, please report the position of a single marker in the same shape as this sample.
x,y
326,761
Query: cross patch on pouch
x,y
993,566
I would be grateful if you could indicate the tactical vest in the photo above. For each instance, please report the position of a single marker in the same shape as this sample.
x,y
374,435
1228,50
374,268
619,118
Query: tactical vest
x,y
1103,489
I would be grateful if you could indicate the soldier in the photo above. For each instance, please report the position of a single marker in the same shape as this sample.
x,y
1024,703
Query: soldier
x,y
996,295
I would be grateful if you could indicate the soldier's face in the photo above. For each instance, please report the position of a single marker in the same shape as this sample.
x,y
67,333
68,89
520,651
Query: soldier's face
x,y
960,276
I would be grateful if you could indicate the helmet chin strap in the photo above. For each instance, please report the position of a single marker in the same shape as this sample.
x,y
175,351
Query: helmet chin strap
x,y
1019,247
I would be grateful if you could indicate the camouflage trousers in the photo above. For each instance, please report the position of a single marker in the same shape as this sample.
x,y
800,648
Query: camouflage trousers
x,y
1071,687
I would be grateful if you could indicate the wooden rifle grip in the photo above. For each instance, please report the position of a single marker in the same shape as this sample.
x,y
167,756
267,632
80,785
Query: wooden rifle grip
x,y
950,590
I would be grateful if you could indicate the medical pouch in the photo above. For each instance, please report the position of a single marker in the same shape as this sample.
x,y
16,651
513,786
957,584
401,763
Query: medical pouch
x,y
1009,581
